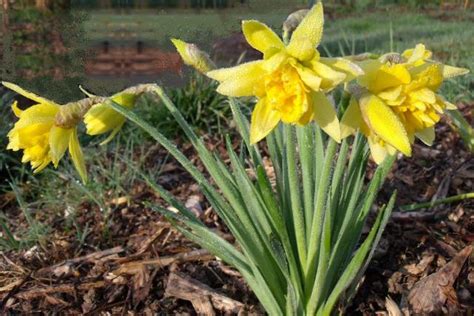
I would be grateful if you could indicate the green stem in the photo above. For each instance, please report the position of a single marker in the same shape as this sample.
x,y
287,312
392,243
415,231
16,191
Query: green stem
x,y
295,196
305,138
318,218
454,198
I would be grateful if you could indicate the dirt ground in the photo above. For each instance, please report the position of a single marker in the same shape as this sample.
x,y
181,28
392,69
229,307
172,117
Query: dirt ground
x,y
129,270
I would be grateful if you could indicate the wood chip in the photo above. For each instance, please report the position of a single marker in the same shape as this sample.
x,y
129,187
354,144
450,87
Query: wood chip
x,y
65,288
65,266
183,287
392,307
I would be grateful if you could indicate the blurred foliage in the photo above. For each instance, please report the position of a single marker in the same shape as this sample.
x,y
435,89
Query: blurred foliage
x,y
362,4
199,103
47,47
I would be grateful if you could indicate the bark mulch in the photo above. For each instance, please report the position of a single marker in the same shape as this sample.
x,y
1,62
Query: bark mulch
x,y
144,266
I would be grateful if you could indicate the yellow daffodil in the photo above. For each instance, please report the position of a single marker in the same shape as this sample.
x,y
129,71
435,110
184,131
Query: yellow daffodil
x,y
39,135
396,101
102,118
290,82
193,56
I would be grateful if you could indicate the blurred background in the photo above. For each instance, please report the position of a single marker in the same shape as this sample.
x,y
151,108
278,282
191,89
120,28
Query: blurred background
x,y
106,45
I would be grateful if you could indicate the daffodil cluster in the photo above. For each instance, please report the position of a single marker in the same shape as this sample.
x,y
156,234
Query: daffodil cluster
x,y
46,130
396,101
291,81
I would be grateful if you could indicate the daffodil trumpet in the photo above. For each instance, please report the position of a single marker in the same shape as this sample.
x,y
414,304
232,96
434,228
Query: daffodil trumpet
x,y
45,131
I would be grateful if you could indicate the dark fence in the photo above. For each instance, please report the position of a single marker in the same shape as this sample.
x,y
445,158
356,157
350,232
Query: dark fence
x,y
193,4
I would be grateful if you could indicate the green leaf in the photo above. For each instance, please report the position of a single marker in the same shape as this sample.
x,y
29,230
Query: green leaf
x,y
361,257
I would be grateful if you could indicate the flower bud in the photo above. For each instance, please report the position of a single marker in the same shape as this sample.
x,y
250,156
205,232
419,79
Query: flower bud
x,y
193,56
292,21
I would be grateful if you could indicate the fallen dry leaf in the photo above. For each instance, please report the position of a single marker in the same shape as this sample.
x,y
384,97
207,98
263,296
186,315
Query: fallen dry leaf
x,y
434,293
419,268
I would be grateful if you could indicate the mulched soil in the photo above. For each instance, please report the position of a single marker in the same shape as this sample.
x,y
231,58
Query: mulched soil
x,y
123,265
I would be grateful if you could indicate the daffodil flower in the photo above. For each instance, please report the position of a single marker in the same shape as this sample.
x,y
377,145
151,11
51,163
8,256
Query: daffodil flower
x,y
102,118
396,101
40,136
291,80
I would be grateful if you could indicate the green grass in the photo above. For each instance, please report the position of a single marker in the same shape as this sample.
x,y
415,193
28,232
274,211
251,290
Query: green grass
x,y
60,195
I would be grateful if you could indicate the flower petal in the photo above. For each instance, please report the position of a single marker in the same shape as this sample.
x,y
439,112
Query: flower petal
x,y
415,55
377,151
381,119
26,94
391,94
275,61
450,71
343,65
427,135
264,120
448,105
325,115
239,81
241,72
389,76
76,155
424,95
309,77
260,36
102,118
58,142
16,110
40,165
352,119
112,135
331,78
302,49
239,88
310,31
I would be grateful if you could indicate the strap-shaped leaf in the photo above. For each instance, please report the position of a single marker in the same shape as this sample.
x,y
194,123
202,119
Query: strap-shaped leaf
x,y
361,257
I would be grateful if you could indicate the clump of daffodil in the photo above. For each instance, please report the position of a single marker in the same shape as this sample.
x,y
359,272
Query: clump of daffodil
x,y
193,56
291,80
44,132
101,118
396,101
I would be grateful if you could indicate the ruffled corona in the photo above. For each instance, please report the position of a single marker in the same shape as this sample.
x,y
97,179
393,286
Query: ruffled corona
x,y
398,101
40,138
290,82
